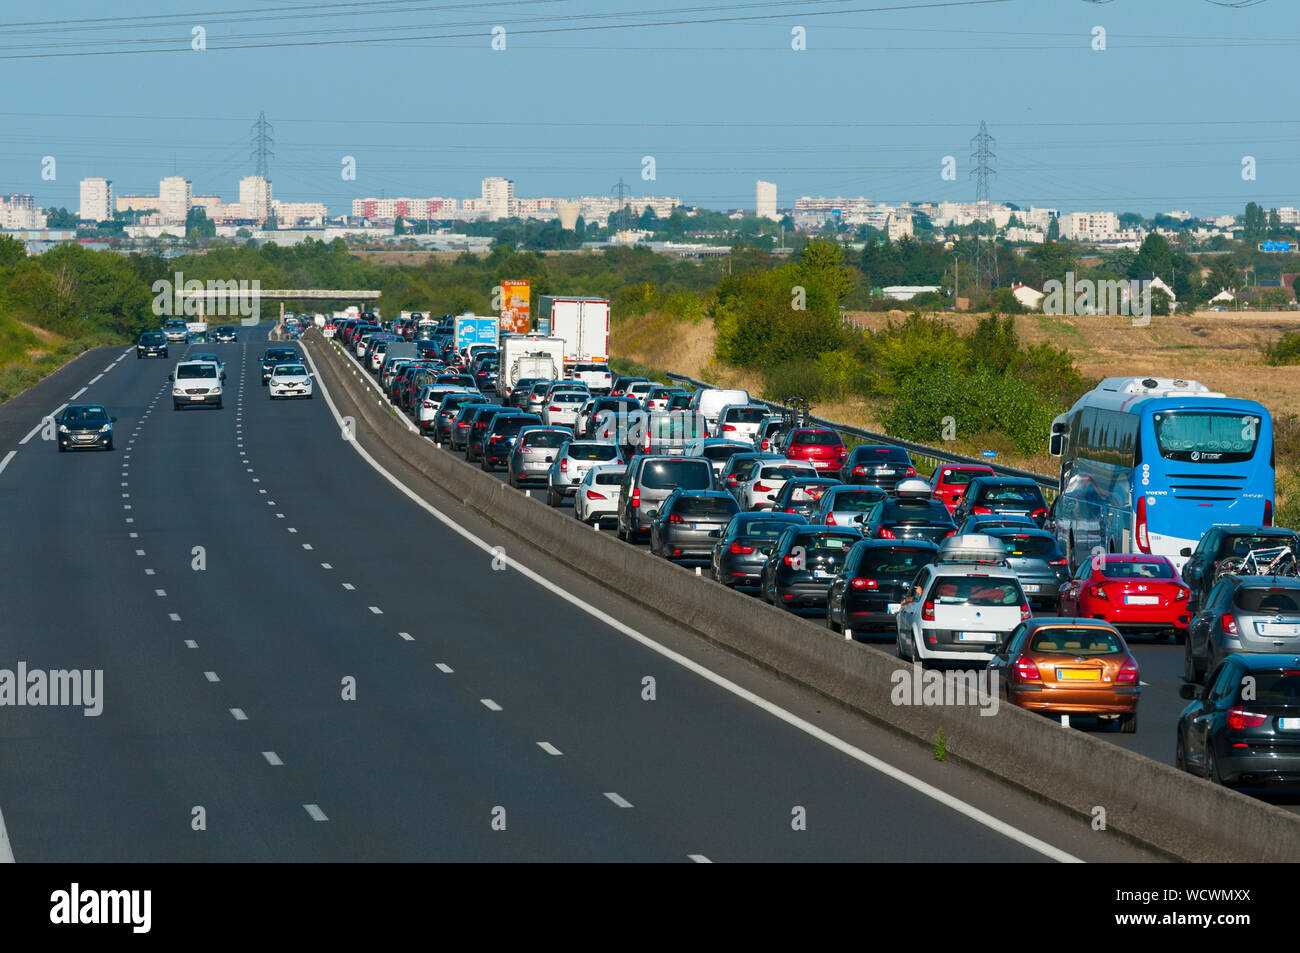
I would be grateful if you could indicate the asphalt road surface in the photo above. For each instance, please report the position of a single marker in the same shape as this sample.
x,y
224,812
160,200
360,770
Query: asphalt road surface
x,y
301,663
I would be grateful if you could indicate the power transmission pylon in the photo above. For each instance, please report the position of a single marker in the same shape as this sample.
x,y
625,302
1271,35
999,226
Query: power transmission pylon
x,y
262,143
623,213
985,250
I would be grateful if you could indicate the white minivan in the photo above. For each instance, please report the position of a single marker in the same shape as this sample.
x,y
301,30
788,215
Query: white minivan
x,y
710,400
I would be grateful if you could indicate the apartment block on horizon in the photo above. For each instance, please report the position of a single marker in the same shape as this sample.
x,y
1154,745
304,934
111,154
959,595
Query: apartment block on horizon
x,y
175,195
96,200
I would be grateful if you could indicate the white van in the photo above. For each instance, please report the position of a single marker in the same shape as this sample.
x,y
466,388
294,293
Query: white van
x,y
709,401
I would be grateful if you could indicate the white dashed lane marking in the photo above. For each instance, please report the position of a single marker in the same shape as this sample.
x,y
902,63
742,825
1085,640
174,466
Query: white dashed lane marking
x,y
618,799
272,758
489,704
316,813
548,747
444,668
211,676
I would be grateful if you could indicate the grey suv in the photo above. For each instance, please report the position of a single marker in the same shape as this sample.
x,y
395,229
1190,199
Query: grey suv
x,y
1243,614
649,481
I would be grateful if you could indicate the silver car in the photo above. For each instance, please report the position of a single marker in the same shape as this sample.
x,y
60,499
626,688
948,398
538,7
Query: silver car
x,y
534,453
571,464
717,451
847,505
1243,614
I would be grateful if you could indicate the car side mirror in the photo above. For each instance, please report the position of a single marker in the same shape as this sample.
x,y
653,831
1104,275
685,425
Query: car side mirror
x,y
1189,692
1185,551
715,534
112,420
171,377
653,514
766,550
957,497
549,460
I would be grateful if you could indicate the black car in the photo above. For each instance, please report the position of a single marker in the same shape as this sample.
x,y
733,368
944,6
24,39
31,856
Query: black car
x,y
1035,556
84,426
1227,543
805,559
743,548
909,518
802,495
278,355
995,495
1243,726
478,429
151,344
876,465
227,335
690,521
500,435
873,583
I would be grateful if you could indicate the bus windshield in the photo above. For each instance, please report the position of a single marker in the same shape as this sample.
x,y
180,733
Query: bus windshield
x,y
1198,437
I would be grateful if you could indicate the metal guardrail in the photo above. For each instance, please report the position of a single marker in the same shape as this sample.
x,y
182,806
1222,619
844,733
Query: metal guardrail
x,y
933,456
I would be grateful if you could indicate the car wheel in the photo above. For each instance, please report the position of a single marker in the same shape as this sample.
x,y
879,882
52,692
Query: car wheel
x,y
175,406
488,466
1128,724
1180,753
219,405
1192,672
1178,637
62,448
137,356
1212,764
830,621
552,498
109,445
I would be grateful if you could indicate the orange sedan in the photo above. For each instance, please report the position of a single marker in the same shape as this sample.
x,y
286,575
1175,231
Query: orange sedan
x,y
1066,666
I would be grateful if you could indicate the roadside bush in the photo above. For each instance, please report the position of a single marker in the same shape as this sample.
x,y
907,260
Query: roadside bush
x,y
978,403
1286,350
801,378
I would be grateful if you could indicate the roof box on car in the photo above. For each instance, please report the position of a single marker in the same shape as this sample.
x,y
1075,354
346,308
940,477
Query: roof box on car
x,y
974,548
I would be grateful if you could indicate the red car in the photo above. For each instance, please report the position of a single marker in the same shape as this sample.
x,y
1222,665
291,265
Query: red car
x,y
949,481
1131,591
823,448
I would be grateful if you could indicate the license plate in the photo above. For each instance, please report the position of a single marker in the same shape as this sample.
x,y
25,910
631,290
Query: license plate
x,y
885,471
197,397
1289,724
894,607
823,574
977,636
1078,674
1277,628
1141,600
1033,588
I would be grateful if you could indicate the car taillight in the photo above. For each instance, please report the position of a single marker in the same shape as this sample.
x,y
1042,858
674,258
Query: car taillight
x,y
830,520
981,510
861,583
1026,670
731,480
524,449
736,549
1268,513
1024,612
462,425
885,532
859,471
1239,718
593,495
1183,594
564,465
636,497
794,562
1097,592
762,488
1143,542
1128,672
951,532
428,406
674,518
1041,511
911,471
927,612
1228,624
729,428
1056,562
554,409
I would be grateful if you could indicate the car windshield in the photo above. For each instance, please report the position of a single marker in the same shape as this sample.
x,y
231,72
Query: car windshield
x,y
1241,545
873,455
196,370
807,493
542,388
1076,641
711,506
817,438
545,438
820,545
568,397
508,426
915,511
898,563
592,451
281,355
720,451
1199,437
760,528
154,337
854,501
687,474
590,369
1275,688
974,591
1135,570
85,415
960,477
291,370
782,473
744,415
1011,494
609,478
1267,600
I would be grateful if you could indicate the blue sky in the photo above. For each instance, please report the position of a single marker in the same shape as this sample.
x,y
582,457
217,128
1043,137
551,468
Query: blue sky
x,y
1159,119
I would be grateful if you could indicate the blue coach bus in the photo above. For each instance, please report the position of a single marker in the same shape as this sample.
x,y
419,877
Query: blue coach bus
x,y
1148,465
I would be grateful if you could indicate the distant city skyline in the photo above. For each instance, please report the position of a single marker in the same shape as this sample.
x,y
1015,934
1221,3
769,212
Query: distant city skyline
x,y
1119,106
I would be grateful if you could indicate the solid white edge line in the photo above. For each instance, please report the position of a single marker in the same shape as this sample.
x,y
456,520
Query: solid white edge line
x,y
857,754
698,858
6,849
5,462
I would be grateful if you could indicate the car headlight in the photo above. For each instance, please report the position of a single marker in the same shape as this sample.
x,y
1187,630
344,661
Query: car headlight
x,y
63,428
216,390
106,428
177,390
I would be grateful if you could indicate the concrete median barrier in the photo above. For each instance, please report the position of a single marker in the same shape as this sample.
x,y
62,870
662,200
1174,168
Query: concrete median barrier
x,y
1152,803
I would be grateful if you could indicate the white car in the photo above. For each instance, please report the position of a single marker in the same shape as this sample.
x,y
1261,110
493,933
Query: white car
x,y
760,491
561,408
426,405
595,375
740,422
959,612
290,380
196,382
641,389
597,495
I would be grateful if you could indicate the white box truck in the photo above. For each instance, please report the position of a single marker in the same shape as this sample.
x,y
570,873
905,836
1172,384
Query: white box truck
x,y
528,355
583,323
